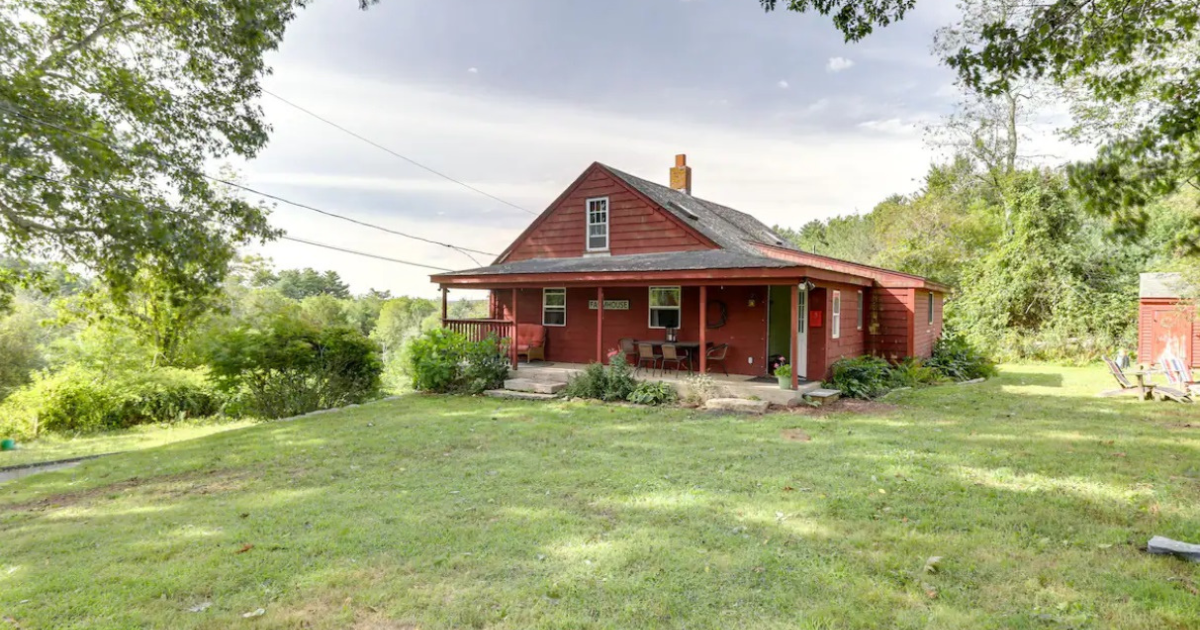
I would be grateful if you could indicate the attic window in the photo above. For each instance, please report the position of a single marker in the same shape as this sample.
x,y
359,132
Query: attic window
x,y
597,224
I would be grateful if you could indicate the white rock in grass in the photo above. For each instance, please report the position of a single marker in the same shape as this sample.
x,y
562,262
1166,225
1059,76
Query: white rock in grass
x,y
737,405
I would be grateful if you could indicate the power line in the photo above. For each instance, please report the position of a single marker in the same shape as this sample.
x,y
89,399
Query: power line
x,y
396,154
462,250
358,253
284,237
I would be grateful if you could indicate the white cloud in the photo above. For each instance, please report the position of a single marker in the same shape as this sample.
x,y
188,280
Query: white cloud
x,y
473,70
783,84
527,151
837,64
892,126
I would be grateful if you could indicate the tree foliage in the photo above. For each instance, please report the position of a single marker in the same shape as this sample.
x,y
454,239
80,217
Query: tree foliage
x,y
1136,58
109,112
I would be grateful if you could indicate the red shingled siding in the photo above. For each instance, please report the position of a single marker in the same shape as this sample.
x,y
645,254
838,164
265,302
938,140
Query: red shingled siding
x,y
850,343
1148,347
890,322
745,329
635,226
924,333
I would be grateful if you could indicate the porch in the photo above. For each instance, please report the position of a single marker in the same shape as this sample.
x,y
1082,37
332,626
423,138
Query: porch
x,y
738,328
731,386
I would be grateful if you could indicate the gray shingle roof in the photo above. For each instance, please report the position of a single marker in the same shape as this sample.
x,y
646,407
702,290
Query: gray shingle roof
x,y
664,261
1161,285
729,228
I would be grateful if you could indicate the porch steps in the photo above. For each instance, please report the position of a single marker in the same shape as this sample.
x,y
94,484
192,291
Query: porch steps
x,y
538,386
515,395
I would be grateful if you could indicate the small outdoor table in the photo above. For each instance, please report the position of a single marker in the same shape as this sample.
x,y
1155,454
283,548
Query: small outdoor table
x,y
1145,390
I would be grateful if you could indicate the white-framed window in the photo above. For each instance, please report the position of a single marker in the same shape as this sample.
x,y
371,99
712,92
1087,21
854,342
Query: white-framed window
x,y
666,305
931,308
835,318
861,305
554,307
597,224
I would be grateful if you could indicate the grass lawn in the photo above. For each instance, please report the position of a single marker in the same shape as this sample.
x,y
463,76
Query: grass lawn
x,y
52,448
428,512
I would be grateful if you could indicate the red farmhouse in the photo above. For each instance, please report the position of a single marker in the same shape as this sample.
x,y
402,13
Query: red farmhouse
x,y
616,256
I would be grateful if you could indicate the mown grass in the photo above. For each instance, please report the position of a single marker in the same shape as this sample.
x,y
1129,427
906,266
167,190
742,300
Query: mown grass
x,y
428,512
52,447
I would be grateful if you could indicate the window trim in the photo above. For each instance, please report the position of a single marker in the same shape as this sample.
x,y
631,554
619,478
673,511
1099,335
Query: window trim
x,y
835,317
860,311
587,224
930,322
562,308
650,308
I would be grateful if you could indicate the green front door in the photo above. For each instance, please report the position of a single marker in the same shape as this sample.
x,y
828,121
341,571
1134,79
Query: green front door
x,y
779,331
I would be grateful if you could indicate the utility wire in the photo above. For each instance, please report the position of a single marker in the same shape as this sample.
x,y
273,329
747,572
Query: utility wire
x,y
180,212
462,250
394,153
358,253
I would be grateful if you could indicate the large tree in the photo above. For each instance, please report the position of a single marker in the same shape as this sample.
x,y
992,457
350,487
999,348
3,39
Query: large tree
x,y
1114,53
109,112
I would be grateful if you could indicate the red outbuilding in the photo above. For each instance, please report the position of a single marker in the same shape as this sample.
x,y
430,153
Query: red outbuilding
x,y
618,257
1166,320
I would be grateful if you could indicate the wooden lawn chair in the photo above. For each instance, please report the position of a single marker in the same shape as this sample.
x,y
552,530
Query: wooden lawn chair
x,y
1142,389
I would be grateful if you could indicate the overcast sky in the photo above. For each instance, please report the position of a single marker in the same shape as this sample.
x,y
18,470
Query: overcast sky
x,y
778,117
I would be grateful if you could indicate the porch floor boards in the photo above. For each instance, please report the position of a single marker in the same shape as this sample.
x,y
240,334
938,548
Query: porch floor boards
x,y
732,386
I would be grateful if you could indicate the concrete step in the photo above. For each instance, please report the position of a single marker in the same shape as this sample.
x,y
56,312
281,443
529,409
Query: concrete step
x,y
505,393
533,386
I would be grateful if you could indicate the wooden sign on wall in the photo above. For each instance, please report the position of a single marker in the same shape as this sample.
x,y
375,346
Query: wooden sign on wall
x,y
610,305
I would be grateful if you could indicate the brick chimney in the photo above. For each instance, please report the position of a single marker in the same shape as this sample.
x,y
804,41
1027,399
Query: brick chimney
x,y
681,175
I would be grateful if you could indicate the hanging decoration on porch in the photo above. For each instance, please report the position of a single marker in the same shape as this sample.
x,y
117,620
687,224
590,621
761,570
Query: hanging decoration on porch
x,y
721,318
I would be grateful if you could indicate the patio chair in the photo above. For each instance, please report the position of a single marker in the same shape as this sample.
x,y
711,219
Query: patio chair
x,y
645,353
677,356
628,349
718,353
531,342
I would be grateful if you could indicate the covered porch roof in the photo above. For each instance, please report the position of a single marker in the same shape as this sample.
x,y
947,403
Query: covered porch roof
x,y
687,267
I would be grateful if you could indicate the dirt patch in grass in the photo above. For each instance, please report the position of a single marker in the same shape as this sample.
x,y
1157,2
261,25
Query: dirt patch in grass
x,y
795,435
847,405
167,487
329,611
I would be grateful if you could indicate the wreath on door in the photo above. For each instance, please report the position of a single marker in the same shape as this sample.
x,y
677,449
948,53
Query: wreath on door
x,y
719,321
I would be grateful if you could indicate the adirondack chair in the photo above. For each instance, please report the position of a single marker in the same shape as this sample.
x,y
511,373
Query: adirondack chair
x,y
1142,389
1179,375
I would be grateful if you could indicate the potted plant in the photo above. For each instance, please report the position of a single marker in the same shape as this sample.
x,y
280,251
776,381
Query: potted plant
x,y
784,374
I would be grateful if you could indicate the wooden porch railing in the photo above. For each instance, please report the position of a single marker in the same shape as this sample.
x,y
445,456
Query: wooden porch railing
x,y
480,329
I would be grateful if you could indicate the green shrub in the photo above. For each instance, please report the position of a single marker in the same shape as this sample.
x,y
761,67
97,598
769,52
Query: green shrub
x,y
591,383
955,358
290,368
79,400
913,372
485,366
443,361
611,383
657,393
861,377
620,383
